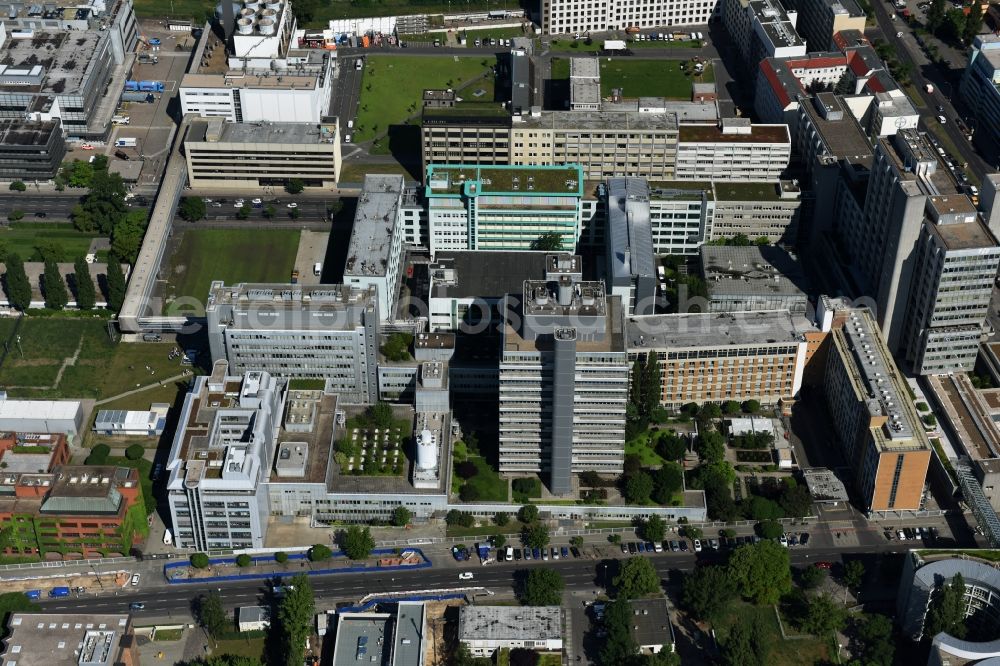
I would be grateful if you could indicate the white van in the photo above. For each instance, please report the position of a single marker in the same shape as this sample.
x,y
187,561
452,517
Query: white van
x,y
167,539
120,120
317,268
350,124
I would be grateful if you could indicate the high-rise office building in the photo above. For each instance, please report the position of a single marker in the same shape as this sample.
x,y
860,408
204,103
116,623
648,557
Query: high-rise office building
x,y
980,92
326,332
563,381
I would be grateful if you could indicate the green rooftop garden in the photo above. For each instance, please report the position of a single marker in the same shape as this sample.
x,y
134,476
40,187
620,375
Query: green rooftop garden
x,y
747,192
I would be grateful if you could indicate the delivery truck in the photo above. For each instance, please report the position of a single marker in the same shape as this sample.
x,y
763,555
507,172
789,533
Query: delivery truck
x,y
127,142
59,592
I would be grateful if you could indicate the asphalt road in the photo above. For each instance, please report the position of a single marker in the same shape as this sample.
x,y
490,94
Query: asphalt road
x,y
921,77
579,574
58,207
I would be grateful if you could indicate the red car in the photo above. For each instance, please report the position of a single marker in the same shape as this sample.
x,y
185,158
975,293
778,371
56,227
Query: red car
x,y
824,565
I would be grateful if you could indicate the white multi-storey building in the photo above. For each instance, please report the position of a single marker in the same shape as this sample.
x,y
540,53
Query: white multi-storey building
x,y
376,247
581,16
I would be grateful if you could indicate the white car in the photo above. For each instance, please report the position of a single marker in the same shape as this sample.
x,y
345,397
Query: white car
x,y
465,575
238,203
697,545
942,119
783,540
293,205
135,579
899,34
256,202
901,535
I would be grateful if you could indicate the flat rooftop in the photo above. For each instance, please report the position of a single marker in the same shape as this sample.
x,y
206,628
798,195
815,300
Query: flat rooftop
x,y
473,180
966,235
650,622
735,191
363,638
824,485
690,133
753,270
683,190
842,136
63,56
476,274
251,295
374,225
215,130
26,132
720,330
65,639
507,623
602,120
584,81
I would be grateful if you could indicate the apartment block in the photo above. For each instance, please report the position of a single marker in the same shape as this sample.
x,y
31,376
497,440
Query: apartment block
x,y
86,54
92,510
783,82
680,214
69,639
761,29
874,418
30,150
502,207
578,17
819,20
980,90
956,267
714,357
563,382
465,133
228,155
631,270
376,246
220,458
735,149
771,210
326,332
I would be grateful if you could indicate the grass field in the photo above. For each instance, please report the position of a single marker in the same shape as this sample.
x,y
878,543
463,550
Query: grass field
x,y
59,239
649,78
245,647
251,255
488,484
103,368
780,652
393,86
641,447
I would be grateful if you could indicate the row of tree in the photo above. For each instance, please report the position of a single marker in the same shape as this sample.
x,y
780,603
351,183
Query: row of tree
x,y
54,289
954,25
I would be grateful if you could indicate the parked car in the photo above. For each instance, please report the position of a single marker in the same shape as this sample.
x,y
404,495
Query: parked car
x,y
714,544
527,553
624,548
575,551
641,547
564,551
136,605
536,554
901,535
631,548
465,575
658,547
674,546
545,554
697,545
824,565
684,545
804,538
555,553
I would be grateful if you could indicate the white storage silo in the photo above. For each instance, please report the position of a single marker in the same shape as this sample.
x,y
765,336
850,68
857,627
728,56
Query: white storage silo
x,y
427,452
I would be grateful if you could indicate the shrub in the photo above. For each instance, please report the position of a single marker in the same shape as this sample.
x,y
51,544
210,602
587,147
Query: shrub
x,y
281,557
135,452
466,469
500,519
18,186
199,560
243,560
930,420
98,455
468,493
319,553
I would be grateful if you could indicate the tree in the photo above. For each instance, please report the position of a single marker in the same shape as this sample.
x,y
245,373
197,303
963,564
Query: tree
x,y
935,15
761,508
638,488
973,23
18,186
618,646
875,644
295,617
823,616
397,347
812,577
281,557
576,541
126,237
243,560
947,610
500,519
709,411
528,513
321,552
294,185
293,213
710,446
116,286
192,209
460,518
707,592
769,529
730,407
401,516
670,446
15,215
78,173
199,561
135,451
86,295
751,406
795,500
358,542
550,241
270,211
468,493
16,282
542,587
56,295
854,573
380,415
244,212
652,386
745,645
211,614
535,535
499,541
761,571
692,532
636,578
98,455
466,469
653,529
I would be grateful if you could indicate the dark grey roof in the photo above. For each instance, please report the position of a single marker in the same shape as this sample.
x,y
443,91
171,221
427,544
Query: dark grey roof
x,y
650,622
487,274
629,229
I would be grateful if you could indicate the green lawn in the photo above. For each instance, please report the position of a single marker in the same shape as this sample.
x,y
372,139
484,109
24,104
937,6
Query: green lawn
x,y
649,78
230,255
660,44
533,490
103,368
781,652
559,69
489,484
60,239
245,647
354,172
393,86
641,447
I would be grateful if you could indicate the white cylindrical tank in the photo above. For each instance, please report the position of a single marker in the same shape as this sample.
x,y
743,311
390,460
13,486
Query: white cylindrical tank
x,y
248,13
268,13
427,451
266,26
244,26
271,4
252,4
